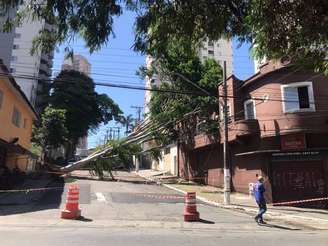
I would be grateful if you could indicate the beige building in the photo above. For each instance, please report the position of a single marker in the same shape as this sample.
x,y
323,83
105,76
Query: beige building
x,y
77,63
220,50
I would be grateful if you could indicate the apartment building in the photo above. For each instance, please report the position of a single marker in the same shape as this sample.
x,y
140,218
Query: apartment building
x,y
219,50
77,63
32,72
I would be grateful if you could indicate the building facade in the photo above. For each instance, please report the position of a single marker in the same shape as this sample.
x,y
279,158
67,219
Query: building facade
x,y
16,119
32,72
277,129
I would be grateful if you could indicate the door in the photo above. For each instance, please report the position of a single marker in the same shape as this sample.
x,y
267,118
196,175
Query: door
x,y
297,180
2,156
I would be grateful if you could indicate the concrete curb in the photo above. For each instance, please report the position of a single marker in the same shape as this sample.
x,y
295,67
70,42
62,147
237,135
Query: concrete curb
x,y
313,223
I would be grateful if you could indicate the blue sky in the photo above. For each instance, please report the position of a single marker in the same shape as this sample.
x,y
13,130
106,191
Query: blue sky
x,y
117,63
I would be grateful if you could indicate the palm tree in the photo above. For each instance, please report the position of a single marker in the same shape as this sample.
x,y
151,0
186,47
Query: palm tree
x,y
127,123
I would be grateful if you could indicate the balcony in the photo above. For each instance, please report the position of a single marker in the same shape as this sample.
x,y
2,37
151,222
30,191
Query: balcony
x,y
246,127
203,140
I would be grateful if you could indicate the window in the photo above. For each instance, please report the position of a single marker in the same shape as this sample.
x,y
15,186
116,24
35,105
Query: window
x,y
12,70
25,123
204,57
1,99
15,46
210,43
17,35
14,58
3,12
167,151
17,117
297,97
211,52
249,108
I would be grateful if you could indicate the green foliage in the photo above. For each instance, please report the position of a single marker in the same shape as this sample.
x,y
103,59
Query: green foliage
x,y
52,131
36,149
183,68
119,157
293,29
85,109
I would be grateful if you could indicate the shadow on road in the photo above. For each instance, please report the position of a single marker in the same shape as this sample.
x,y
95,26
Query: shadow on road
x,y
83,219
31,201
280,227
206,221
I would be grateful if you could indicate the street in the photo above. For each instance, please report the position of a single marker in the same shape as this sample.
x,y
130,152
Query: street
x,y
125,213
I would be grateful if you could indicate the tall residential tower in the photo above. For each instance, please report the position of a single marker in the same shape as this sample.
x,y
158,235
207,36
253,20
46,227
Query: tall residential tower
x,y
32,72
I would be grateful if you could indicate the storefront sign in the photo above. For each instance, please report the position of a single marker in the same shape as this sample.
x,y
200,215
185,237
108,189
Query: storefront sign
x,y
293,142
299,155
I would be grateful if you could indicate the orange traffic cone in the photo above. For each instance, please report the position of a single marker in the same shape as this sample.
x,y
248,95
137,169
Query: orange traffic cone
x,y
72,210
190,211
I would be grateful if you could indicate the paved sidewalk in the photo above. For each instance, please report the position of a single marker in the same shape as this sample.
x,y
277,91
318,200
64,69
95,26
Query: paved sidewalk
x,y
315,218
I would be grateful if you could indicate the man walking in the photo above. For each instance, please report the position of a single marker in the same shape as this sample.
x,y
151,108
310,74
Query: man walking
x,y
260,200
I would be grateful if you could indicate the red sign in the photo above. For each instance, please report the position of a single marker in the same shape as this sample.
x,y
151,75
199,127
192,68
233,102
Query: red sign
x,y
293,142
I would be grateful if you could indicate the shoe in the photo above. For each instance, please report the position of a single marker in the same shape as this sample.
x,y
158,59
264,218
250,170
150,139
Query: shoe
x,y
256,219
262,222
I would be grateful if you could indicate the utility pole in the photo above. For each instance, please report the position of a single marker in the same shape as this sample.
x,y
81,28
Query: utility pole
x,y
110,133
138,109
225,143
106,137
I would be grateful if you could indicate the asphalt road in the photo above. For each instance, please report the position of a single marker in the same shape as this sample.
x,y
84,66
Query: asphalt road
x,y
119,213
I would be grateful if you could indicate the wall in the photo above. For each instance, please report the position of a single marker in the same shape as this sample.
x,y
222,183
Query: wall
x,y
174,160
272,120
8,130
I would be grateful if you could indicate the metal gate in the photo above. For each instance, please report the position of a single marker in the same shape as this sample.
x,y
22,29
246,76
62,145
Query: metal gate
x,y
297,180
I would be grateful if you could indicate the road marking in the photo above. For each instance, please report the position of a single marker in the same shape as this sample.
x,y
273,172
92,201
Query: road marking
x,y
100,197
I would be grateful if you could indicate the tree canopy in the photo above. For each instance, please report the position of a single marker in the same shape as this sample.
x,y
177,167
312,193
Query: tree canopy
x,y
183,71
85,109
119,157
293,29
296,30
52,131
